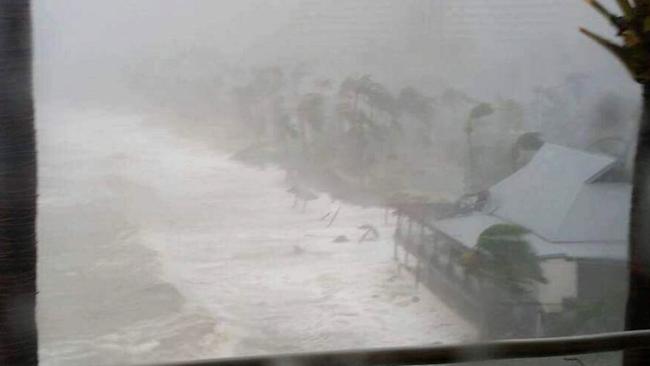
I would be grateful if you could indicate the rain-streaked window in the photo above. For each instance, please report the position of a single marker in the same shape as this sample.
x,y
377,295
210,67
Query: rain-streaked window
x,y
252,177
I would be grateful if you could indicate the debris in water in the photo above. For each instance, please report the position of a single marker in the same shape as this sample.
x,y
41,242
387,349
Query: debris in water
x,y
303,194
341,239
370,234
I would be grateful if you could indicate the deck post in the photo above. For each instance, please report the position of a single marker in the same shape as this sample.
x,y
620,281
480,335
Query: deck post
x,y
408,243
398,235
418,254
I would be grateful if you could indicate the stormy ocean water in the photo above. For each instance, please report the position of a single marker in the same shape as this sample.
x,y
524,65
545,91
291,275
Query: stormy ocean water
x,y
156,248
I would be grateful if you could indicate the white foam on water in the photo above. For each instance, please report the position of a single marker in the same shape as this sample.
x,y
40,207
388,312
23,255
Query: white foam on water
x,y
267,277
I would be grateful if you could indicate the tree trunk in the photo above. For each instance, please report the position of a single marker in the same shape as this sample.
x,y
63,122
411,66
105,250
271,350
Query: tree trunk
x,y
469,169
18,336
637,314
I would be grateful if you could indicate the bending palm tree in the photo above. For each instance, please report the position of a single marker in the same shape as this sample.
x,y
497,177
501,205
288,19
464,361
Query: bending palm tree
x,y
472,178
310,119
634,28
504,257
507,258
18,340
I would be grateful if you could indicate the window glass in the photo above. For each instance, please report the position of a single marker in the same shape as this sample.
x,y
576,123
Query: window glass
x,y
244,177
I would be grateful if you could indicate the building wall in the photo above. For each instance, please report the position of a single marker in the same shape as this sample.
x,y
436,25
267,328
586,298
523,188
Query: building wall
x,y
600,279
562,276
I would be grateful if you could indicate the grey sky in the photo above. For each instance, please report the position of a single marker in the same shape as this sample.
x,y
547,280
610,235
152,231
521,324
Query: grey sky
x,y
99,39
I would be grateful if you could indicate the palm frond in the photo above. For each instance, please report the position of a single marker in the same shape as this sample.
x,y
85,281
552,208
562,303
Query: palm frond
x,y
603,11
508,256
626,8
634,29
618,51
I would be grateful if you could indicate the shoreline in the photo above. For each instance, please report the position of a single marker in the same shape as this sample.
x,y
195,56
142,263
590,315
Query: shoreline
x,y
267,185
201,284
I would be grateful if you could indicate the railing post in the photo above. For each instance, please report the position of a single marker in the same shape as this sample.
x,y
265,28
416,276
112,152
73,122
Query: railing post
x,y
18,338
398,235
408,243
445,354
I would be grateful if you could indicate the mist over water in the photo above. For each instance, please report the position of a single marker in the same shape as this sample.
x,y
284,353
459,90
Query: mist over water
x,y
228,178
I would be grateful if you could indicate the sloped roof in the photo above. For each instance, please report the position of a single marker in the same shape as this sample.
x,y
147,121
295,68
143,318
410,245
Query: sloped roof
x,y
467,229
600,212
553,196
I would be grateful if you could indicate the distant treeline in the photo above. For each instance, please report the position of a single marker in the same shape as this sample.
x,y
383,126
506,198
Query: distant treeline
x,y
356,135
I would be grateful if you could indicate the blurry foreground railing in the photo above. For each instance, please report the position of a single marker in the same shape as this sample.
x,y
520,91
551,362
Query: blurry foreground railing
x,y
509,349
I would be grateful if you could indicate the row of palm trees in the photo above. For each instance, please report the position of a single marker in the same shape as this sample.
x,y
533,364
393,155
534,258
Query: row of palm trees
x,y
361,133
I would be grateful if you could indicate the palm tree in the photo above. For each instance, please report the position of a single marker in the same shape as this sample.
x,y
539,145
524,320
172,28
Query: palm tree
x,y
480,111
362,126
380,101
526,143
311,118
633,27
505,259
455,100
18,337
420,106
383,124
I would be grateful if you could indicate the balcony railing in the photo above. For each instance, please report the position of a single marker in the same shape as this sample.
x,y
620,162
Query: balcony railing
x,y
434,355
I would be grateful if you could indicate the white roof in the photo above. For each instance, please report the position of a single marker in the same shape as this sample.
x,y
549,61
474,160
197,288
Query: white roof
x,y
467,229
554,197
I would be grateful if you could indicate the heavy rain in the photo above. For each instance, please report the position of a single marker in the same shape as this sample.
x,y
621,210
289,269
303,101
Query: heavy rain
x,y
223,178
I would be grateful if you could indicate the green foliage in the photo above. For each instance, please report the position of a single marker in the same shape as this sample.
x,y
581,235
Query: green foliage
x,y
503,231
481,110
311,110
373,93
529,141
349,86
455,96
412,101
506,256
367,140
